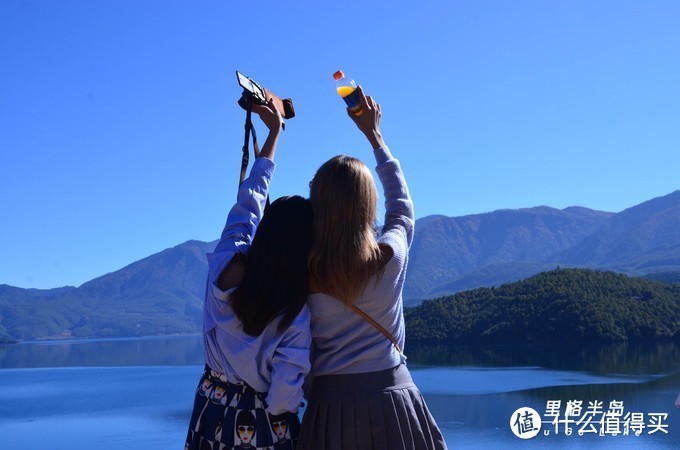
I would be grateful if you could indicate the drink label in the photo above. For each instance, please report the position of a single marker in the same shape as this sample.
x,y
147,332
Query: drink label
x,y
353,101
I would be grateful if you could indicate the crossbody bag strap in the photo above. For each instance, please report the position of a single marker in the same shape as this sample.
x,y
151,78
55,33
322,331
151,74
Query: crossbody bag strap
x,y
379,327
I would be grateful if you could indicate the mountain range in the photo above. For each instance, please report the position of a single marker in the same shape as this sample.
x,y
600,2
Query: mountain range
x,y
451,254
163,293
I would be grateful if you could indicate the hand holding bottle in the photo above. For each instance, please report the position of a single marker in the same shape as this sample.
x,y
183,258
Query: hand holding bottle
x,y
369,121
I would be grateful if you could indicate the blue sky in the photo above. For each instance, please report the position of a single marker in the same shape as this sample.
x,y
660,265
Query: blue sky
x,y
120,135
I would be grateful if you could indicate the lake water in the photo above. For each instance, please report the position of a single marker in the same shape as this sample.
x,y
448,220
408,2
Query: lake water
x,y
138,393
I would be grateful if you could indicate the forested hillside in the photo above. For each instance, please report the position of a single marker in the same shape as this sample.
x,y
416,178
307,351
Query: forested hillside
x,y
560,305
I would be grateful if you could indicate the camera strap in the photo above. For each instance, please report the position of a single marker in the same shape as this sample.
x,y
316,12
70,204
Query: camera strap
x,y
249,130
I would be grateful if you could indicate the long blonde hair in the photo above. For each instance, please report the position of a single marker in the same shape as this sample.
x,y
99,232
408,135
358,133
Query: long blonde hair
x,y
344,252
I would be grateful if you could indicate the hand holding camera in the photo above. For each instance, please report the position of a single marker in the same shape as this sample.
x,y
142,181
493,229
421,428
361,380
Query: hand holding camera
x,y
270,115
271,109
254,94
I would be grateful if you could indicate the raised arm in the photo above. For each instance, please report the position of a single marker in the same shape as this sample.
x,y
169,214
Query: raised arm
x,y
399,216
246,214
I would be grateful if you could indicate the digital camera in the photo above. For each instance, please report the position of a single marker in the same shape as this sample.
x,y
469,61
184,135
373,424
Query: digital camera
x,y
254,93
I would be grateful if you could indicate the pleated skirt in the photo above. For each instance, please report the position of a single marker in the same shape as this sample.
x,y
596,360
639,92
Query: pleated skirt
x,y
368,411
228,416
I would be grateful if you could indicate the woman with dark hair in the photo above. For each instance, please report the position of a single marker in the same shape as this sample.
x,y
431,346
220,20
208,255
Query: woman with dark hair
x,y
255,322
362,395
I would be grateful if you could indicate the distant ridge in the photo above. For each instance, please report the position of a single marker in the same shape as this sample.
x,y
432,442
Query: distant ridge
x,y
516,243
163,293
450,254
160,294
641,239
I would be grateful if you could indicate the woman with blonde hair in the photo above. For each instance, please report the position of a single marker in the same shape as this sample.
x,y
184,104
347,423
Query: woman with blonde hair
x,y
361,394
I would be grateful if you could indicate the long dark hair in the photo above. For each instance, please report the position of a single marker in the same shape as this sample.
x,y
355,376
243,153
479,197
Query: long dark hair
x,y
276,279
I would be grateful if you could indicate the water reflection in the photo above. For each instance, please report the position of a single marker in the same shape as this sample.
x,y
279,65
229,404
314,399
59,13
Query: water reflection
x,y
644,376
156,351
644,358
472,390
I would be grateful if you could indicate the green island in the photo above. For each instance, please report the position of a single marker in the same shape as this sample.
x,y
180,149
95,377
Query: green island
x,y
562,305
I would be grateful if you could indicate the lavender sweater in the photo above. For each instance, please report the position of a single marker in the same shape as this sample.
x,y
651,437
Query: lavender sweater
x,y
272,362
343,342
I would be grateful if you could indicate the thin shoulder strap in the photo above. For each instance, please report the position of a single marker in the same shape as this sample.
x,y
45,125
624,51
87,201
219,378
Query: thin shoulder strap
x,y
380,328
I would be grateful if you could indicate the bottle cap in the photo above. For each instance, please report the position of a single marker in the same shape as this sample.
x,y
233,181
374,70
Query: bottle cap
x,y
337,75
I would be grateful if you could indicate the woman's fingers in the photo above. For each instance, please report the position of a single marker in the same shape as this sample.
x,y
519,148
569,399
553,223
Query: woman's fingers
x,y
370,119
362,96
368,102
269,114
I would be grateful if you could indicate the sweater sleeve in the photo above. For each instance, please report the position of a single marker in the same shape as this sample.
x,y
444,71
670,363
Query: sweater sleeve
x,y
244,216
399,215
290,366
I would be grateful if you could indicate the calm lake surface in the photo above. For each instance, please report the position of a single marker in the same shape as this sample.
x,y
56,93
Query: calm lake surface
x,y
138,393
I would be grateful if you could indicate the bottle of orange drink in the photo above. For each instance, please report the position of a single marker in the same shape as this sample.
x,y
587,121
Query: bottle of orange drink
x,y
347,89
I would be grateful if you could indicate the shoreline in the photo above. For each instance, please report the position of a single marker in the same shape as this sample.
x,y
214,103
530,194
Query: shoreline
x,y
61,339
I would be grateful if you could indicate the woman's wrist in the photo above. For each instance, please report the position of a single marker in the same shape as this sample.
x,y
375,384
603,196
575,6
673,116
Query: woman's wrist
x,y
375,138
269,148
275,132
